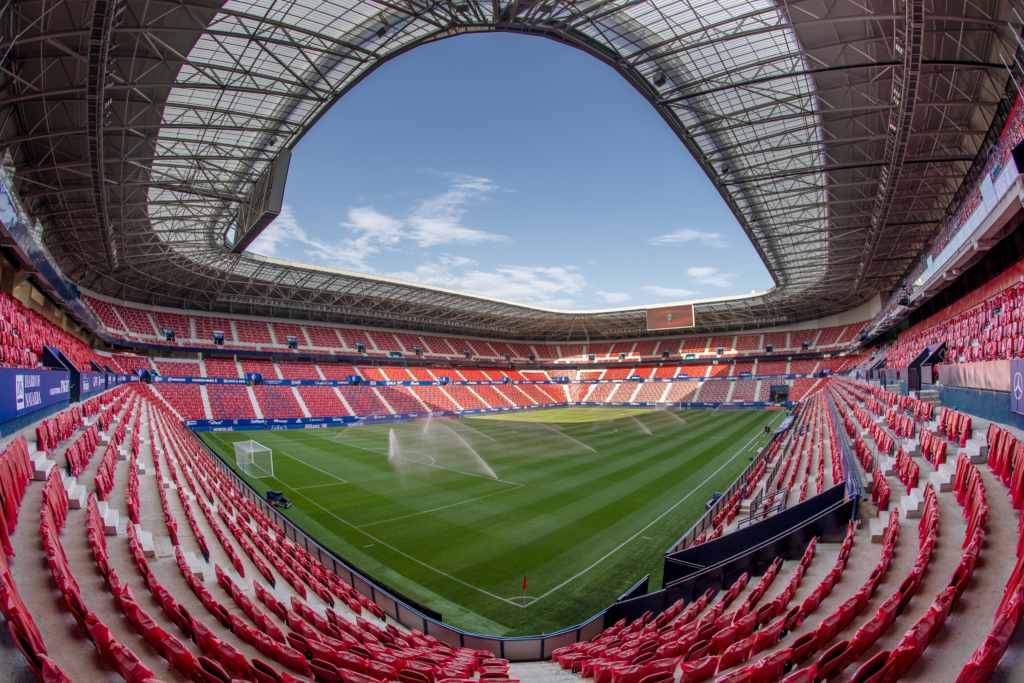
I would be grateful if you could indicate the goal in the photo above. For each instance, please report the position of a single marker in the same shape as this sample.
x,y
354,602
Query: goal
x,y
255,459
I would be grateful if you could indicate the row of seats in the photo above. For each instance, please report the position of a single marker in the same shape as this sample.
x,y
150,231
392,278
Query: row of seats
x,y
135,323
24,333
220,367
969,491
233,401
992,330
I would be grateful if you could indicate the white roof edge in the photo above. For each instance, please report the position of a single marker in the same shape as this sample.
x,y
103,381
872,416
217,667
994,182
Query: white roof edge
x,y
482,297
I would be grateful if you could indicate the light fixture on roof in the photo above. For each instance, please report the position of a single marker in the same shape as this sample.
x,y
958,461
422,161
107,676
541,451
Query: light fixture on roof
x,y
725,169
659,79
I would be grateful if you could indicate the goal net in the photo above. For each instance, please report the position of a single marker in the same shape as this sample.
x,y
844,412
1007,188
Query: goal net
x,y
255,459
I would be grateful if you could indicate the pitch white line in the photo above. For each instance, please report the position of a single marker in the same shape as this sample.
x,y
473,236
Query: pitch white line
x,y
649,525
427,464
316,486
443,507
343,481
406,555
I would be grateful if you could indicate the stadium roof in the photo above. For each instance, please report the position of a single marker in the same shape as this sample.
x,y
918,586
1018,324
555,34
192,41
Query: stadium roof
x,y
837,132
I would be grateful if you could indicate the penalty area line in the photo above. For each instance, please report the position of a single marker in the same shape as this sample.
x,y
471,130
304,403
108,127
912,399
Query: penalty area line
x,y
340,480
407,555
649,525
443,507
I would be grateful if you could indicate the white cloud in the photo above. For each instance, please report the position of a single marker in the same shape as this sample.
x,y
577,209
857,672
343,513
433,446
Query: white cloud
x,y
550,287
431,222
711,276
685,236
438,220
668,292
283,229
614,297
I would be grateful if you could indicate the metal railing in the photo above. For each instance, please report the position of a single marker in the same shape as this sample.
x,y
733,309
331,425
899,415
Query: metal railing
x,y
854,483
761,507
402,609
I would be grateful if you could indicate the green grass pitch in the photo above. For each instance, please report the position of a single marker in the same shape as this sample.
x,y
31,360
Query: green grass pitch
x,y
454,513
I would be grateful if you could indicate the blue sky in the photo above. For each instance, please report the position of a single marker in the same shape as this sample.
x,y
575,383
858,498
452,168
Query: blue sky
x,y
514,167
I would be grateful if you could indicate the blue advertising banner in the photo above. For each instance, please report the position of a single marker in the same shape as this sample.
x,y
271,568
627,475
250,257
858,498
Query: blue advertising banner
x,y
354,379
24,391
90,383
1017,386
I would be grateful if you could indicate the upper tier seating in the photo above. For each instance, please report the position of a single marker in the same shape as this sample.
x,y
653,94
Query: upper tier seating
x,y
181,324
803,367
324,337
128,363
263,367
771,367
298,370
178,368
740,367
207,325
398,374
749,343
284,330
222,367
723,369
253,332
339,371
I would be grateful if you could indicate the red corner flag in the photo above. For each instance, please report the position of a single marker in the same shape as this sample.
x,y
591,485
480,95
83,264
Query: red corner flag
x,y
524,583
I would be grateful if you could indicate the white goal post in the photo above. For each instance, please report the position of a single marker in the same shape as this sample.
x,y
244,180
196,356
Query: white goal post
x,y
254,459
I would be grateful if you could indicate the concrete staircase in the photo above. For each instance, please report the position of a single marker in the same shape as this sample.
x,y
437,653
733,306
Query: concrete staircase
x,y
930,396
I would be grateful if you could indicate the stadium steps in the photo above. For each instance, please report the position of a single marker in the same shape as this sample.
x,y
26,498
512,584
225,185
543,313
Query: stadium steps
x,y
206,400
381,399
445,391
255,403
298,400
480,398
341,397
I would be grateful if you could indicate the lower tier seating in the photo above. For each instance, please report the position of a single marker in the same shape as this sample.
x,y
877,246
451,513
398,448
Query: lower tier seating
x,y
322,401
186,399
230,402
